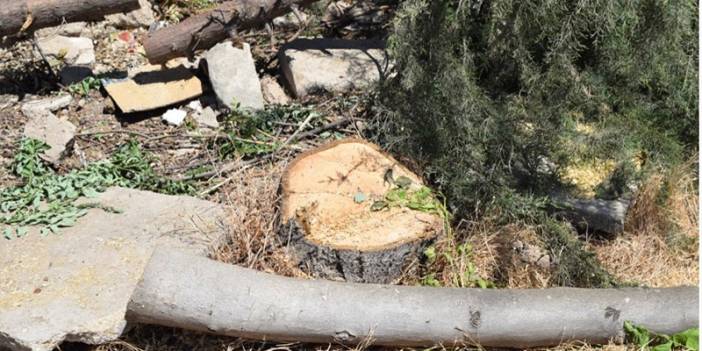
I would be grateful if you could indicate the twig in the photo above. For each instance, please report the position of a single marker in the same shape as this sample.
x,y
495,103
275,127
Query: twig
x,y
299,129
229,179
332,125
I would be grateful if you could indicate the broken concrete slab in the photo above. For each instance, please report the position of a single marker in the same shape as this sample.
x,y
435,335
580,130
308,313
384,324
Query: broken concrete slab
x,y
56,133
273,93
59,49
75,286
140,18
150,90
335,65
51,104
233,76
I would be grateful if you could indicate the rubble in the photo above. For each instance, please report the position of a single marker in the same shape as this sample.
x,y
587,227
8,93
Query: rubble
x,y
233,76
75,286
335,65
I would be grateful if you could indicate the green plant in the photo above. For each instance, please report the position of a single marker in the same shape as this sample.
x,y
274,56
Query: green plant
x,y
463,272
85,86
250,133
645,339
48,199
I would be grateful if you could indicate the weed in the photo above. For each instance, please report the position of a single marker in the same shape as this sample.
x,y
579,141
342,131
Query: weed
x,y
48,199
251,133
85,86
645,339
463,273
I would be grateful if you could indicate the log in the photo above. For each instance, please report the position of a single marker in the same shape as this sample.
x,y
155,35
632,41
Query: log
x,y
195,293
203,31
328,221
593,215
29,15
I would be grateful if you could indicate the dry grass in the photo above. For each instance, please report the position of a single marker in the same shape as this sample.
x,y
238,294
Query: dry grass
x,y
660,245
252,199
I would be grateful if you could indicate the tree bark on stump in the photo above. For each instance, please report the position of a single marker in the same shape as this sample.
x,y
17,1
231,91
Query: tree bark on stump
x,y
18,16
205,30
190,292
327,222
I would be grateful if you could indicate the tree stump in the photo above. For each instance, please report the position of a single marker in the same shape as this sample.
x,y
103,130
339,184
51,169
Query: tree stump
x,y
337,222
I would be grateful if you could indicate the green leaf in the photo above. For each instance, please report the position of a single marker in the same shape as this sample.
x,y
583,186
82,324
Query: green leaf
x,y
359,197
640,335
668,346
89,192
7,233
430,253
21,231
378,205
689,339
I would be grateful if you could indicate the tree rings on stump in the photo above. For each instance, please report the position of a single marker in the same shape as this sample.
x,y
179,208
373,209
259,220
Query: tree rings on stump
x,y
350,211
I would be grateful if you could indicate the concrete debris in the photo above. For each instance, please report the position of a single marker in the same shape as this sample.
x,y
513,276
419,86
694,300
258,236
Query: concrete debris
x,y
233,76
335,65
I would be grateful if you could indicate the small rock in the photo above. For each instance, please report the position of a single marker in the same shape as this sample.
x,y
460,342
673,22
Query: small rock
x,y
56,133
7,100
174,116
233,76
532,254
290,21
73,29
71,51
51,104
207,118
273,92
149,90
334,65
87,273
141,18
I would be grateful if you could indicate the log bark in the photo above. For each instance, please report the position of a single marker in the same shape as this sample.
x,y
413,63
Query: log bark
x,y
180,290
205,30
593,215
331,234
29,15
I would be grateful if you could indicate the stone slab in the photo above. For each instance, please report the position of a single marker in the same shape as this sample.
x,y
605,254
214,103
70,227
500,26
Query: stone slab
x,y
335,65
153,89
75,286
233,76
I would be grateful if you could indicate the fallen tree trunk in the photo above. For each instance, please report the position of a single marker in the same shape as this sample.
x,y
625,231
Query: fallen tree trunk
x,y
205,30
18,16
195,293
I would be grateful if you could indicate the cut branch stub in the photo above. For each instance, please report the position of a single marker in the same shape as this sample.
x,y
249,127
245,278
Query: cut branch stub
x,y
337,218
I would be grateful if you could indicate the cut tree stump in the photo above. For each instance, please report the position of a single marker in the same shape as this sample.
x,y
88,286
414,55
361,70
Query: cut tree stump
x,y
17,16
328,221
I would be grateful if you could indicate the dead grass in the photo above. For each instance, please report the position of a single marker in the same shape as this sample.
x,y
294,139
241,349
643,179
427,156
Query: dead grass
x,y
660,245
252,199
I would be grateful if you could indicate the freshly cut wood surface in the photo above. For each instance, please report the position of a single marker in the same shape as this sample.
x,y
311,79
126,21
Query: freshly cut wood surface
x,y
327,198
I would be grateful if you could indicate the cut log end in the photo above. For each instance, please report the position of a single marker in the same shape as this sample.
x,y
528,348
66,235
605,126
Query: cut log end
x,y
332,221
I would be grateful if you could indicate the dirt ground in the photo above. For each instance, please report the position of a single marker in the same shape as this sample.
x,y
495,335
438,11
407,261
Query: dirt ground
x,y
644,254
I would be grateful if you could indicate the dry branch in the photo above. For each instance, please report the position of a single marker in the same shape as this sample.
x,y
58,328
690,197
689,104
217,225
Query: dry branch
x,y
205,30
196,293
18,16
